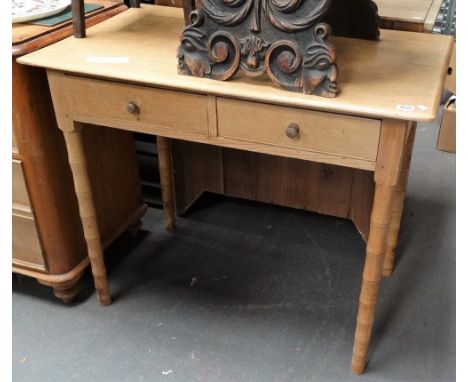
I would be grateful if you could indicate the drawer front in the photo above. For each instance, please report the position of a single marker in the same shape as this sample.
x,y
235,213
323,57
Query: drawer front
x,y
20,191
308,130
26,246
124,102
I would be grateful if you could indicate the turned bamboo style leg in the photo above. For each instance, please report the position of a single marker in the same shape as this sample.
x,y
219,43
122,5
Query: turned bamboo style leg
x,y
398,205
386,177
167,188
77,159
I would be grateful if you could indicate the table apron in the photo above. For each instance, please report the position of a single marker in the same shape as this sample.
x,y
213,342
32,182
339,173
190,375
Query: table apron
x,y
252,126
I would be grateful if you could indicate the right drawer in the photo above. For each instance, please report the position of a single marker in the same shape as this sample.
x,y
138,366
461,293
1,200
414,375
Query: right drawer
x,y
317,131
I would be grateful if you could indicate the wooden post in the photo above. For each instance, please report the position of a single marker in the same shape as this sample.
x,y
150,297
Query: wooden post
x,y
398,204
78,15
189,6
167,188
77,159
392,140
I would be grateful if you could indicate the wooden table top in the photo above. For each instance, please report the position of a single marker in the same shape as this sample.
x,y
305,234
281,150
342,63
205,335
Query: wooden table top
x,y
28,37
402,76
410,11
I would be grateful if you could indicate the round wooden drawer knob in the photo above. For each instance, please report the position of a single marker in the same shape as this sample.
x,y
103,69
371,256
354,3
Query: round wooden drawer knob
x,y
132,108
292,131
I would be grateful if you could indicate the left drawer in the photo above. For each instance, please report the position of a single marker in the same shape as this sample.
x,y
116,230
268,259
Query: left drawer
x,y
147,108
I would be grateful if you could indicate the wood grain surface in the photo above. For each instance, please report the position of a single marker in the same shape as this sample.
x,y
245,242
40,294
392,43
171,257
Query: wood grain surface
x,y
401,76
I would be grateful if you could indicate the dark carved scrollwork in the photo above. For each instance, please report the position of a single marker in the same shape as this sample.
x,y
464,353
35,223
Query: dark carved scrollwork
x,y
282,14
315,71
224,52
283,38
253,54
283,63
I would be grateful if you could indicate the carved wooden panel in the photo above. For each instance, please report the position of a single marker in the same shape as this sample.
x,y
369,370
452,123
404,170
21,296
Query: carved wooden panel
x,y
284,39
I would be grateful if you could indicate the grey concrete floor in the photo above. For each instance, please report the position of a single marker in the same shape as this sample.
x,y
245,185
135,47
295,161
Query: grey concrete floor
x,y
250,292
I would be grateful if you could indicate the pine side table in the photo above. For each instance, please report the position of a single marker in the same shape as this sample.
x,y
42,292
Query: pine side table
x,y
125,76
